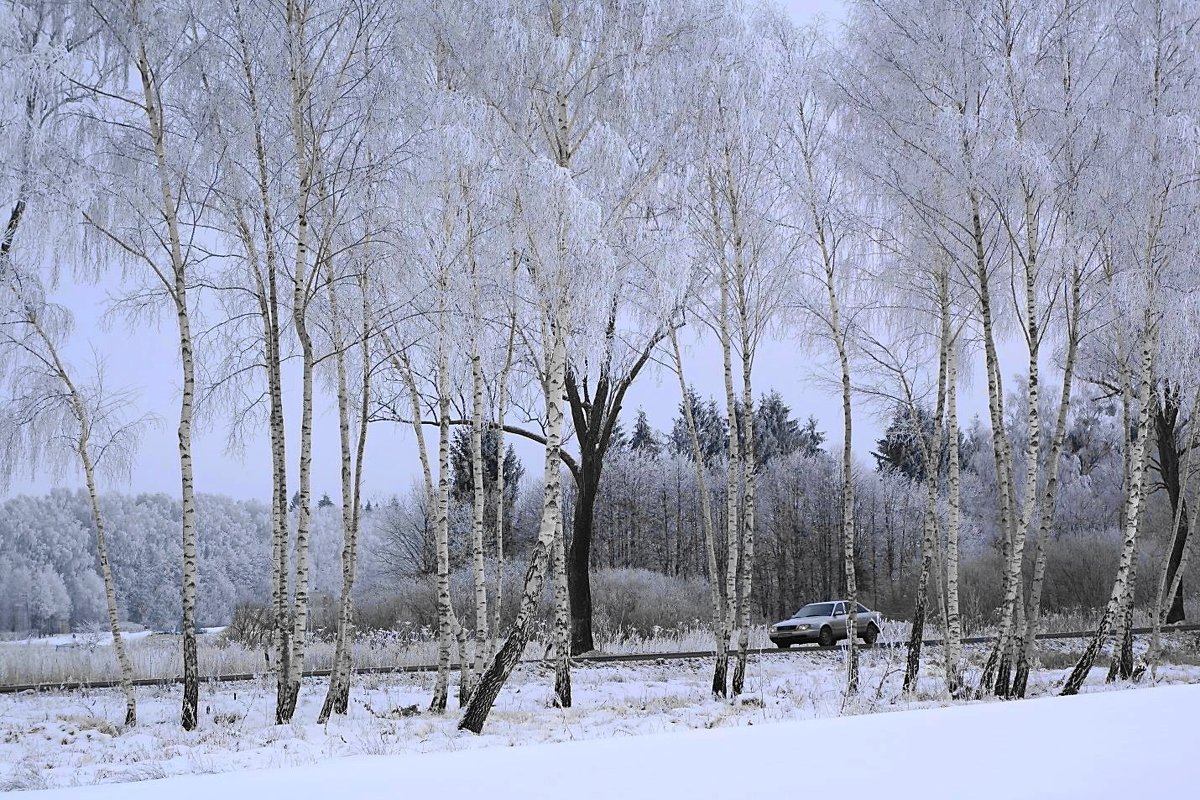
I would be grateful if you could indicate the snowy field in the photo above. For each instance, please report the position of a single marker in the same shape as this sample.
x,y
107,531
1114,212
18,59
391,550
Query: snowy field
x,y
1101,745
72,739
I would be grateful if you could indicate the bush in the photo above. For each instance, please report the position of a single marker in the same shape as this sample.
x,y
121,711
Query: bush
x,y
627,599
251,626
1080,573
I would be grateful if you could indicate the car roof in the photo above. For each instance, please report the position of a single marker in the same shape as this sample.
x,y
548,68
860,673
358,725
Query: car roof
x,y
822,602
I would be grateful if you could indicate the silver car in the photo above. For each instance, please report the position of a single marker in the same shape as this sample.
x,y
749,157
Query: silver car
x,y
826,623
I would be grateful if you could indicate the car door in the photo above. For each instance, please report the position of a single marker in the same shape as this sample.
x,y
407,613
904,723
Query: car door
x,y
839,621
864,616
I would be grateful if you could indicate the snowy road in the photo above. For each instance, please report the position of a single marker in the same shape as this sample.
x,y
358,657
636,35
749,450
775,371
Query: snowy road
x,y
1111,744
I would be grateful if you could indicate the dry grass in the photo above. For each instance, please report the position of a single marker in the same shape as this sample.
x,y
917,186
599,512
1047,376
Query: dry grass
x,y
159,656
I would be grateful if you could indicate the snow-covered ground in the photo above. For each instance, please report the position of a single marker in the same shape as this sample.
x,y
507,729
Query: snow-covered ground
x,y
89,640
71,739
1101,745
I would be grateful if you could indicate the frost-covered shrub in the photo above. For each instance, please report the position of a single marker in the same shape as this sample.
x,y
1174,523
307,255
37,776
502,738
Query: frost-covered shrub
x,y
624,599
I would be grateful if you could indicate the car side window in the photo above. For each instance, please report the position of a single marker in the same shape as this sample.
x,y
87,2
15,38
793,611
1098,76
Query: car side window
x,y
861,609
839,609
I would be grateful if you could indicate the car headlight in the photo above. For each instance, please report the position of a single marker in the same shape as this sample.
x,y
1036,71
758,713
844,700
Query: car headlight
x,y
803,627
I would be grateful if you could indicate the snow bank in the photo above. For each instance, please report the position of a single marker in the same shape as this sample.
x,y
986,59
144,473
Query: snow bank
x,y
1109,744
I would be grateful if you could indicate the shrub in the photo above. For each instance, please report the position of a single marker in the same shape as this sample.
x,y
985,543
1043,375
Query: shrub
x,y
625,599
251,626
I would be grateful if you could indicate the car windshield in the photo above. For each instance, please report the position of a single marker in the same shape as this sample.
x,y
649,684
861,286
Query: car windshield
x,y
815,610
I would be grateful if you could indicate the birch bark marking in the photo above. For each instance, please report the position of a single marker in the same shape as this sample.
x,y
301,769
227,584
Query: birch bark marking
x,y
1013,581
749,470
749,467
342,700
1121,663
928,536
268,291
110,591
477,509
930,451
299,85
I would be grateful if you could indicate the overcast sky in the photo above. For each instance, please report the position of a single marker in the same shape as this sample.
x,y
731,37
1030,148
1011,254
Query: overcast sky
x,y
144,360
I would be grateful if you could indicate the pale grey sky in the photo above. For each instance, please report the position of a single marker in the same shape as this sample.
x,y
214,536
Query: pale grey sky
x,y
145,360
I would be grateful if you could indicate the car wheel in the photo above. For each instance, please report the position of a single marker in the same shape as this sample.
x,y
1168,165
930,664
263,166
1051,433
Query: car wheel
x,y
870,634
826,637
783,645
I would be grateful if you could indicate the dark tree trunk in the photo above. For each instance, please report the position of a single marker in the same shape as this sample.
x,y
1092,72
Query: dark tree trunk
x,y
1175,614
1166,425
579,555
594,414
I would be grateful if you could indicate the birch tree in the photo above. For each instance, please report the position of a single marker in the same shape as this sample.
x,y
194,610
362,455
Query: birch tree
x,y
151,219
553,253
1074,131
50,417
592,78
821,193
720,622
1148,224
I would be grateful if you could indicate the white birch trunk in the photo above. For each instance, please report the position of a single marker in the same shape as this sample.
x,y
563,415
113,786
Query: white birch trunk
x,y
749,467
494,677
1050,491
1013,582
83,449
1132,512
562,620
477,507
732,498
189,714
110,590
336,697
1000,444
442,525
839,338
953,653
706,519
930,456
501,412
